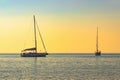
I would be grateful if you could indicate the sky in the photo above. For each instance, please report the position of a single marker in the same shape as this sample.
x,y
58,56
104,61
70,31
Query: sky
x,y
66,25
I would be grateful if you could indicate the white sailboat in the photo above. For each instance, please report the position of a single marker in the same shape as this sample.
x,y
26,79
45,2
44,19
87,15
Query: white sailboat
x,y
32,52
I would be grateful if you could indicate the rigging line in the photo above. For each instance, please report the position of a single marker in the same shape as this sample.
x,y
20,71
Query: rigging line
x,y
97,40
41,37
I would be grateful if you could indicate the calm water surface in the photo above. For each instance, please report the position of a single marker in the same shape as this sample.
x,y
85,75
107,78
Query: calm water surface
x,y
60,67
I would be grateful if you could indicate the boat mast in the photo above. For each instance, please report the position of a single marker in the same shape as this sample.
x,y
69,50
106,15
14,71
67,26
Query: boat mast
x,y
35,34
97,40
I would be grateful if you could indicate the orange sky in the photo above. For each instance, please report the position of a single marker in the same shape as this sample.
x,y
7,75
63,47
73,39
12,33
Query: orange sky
x,y
66,27
61,34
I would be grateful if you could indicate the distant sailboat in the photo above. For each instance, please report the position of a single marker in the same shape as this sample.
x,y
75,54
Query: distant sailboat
x,y
32,52
97,53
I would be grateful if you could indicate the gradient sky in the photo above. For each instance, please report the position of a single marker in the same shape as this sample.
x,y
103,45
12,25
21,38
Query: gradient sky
x,y
66,25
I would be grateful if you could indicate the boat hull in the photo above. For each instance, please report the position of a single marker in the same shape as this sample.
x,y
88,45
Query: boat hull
x,y
98,53
33,55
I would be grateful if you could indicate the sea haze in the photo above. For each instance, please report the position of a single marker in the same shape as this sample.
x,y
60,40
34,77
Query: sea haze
x,y
60,67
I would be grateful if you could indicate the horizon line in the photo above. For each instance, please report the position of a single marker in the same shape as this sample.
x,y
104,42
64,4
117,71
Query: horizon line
x,y
82,53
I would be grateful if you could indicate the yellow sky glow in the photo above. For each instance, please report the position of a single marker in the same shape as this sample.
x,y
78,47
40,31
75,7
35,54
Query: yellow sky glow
x,y
60,33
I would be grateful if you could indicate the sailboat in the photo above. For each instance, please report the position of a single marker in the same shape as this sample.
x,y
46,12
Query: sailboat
x,y
97,53
32,52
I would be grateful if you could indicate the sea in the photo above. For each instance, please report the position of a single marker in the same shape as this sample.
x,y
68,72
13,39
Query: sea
x,y
60,67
